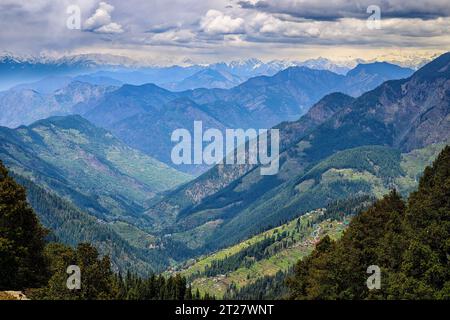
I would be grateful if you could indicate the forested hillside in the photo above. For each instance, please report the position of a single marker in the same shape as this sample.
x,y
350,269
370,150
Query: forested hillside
x,y
30,263
241,210
408,240
71,226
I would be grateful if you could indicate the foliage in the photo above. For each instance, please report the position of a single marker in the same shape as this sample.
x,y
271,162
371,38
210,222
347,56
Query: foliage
x,y
22,243
253,268
96,275
155,287
70,226
409,242
98,282
27,262
246,210
266,288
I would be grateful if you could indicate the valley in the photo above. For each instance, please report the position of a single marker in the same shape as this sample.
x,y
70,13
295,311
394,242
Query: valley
x,y
282,246
363,137
226,228
211,152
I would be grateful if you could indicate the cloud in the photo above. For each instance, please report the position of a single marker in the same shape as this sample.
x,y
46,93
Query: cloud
x,y
209,30
216,22
101,21
110,28
266,28
173,37
339,9
161,28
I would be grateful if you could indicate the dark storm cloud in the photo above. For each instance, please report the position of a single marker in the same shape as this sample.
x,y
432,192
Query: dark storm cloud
x,y
331,11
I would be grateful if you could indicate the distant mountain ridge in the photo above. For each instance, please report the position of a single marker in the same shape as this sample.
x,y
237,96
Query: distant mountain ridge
x,y
144,116
17,70
260,102
206,78
25,106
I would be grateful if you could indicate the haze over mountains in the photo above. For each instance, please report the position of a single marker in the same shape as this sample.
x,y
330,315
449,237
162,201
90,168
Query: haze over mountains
x,y
102,145
19,70
143,116
24,106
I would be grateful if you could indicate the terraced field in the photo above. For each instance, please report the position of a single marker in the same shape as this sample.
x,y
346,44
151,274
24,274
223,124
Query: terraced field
x,y
283,247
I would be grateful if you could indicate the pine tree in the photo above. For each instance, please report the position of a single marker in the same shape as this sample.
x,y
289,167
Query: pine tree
x,y
22,263
197,295
188,295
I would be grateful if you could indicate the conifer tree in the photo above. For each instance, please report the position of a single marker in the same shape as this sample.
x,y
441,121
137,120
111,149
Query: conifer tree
x,y
22,263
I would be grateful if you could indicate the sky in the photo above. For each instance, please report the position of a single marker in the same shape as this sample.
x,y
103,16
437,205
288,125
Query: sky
x,y
207,31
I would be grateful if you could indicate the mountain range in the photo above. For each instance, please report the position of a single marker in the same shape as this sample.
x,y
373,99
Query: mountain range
x,y
342,146
104,153
23,106
19,70
143,116
86,165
